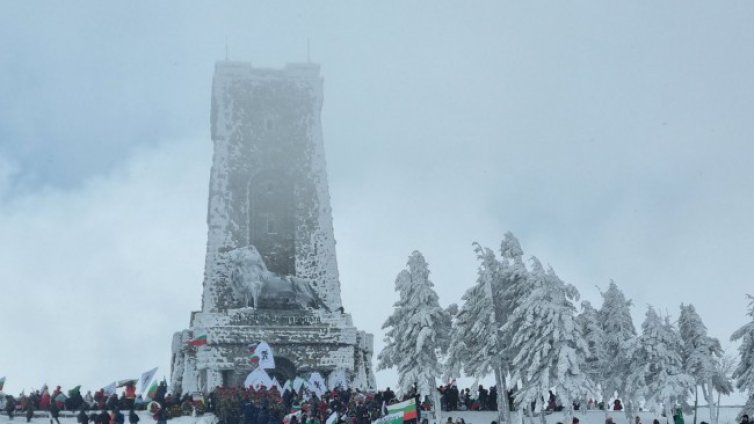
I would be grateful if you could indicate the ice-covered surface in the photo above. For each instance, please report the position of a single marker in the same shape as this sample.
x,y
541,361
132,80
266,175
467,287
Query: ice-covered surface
x,y
727,416
266,128
270,241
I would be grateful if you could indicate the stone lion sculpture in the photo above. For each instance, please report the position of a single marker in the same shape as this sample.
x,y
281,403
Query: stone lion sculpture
x,y
255,286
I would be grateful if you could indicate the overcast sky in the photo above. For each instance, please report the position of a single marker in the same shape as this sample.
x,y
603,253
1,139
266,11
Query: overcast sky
x,y
613,138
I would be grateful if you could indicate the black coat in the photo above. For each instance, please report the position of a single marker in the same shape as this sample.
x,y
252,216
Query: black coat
x,y
82,418
54,410
103,417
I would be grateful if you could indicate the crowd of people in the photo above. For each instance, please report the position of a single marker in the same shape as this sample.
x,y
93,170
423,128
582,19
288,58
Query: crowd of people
x,y
232,405
97,408
251,406
238,405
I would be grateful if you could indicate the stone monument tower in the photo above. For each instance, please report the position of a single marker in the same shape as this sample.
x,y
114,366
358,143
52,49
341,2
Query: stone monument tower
x,y
271,272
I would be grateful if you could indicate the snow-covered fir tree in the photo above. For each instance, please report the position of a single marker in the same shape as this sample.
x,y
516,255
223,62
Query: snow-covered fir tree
x,y
474,338
591,330
701,356
516,284
744,372
477,345
547,350
656,368
418,331
722,380
620,333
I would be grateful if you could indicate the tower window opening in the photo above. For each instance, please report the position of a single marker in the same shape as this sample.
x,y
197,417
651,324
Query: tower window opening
x,y
271,227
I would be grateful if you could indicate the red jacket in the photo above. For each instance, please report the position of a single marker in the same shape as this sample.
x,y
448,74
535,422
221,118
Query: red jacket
x,y
44,402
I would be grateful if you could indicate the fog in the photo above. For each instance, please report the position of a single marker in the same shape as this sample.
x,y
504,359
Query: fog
x,y
614,139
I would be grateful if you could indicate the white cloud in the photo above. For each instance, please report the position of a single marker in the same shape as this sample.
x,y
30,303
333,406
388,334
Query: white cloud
x,y
96,279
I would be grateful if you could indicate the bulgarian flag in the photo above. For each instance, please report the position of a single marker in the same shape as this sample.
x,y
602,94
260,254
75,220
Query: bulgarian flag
x,y
198,340
408,408
152,390
254,359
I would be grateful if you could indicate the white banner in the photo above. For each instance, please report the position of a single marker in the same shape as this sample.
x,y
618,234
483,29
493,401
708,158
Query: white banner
x,y
337,379
297,383
317,384
257,379
110,388
146,378
264,353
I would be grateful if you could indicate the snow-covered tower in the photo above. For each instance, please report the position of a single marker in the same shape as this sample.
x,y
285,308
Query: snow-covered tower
x,y
271,272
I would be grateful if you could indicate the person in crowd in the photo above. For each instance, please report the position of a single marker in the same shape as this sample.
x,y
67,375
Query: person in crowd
x,y
100,399
112,402
89,399
116,417
655,421
82,417
103,417
45,400
130,395
482,396
160,415
132,417
249,413
162,390
745,419
617,405
678,416
54,412
637,420
10,406
29,409
54,396
575,421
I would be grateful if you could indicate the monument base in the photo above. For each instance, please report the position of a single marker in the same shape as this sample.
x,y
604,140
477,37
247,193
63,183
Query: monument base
x,y
302,342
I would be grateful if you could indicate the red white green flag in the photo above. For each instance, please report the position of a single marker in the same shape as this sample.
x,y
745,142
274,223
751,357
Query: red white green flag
x,y
408,408
200,340
152,390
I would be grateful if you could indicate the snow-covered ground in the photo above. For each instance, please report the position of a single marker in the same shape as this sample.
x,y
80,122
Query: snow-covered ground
x,y
727,416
